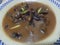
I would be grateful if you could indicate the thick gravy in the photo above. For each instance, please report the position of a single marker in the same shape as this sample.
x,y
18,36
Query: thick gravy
x,y
29,22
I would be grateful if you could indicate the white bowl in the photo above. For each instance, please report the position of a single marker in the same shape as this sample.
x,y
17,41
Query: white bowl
x,y
50,40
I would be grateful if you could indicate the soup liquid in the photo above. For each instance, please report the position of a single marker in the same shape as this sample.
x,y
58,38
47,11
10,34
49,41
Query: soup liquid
x,y
29,33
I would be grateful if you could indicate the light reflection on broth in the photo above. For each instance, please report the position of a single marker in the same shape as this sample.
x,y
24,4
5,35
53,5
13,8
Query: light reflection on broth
x,y
29,21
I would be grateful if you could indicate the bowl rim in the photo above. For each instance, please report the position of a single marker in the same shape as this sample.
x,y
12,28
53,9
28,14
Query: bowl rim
x,y
55,34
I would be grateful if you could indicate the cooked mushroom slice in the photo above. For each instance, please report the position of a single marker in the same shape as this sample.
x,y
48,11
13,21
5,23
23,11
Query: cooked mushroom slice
x,y
16,35
17,15
42,31
37,18
16,19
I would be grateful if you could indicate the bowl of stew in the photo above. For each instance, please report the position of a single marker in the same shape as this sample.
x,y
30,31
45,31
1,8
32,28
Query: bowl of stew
x,y
25,22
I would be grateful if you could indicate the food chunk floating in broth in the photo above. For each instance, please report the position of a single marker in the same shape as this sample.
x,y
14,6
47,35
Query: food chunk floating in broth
x,y
31,21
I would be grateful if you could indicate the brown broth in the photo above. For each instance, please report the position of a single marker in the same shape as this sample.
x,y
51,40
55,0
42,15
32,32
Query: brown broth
x,y
26,34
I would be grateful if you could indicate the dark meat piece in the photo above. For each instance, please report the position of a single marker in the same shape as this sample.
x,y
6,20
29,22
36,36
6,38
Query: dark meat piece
x,y
28,13
16,35
26,6
36,17
17,18
16,8
6,26
17,15
31,22
32,11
